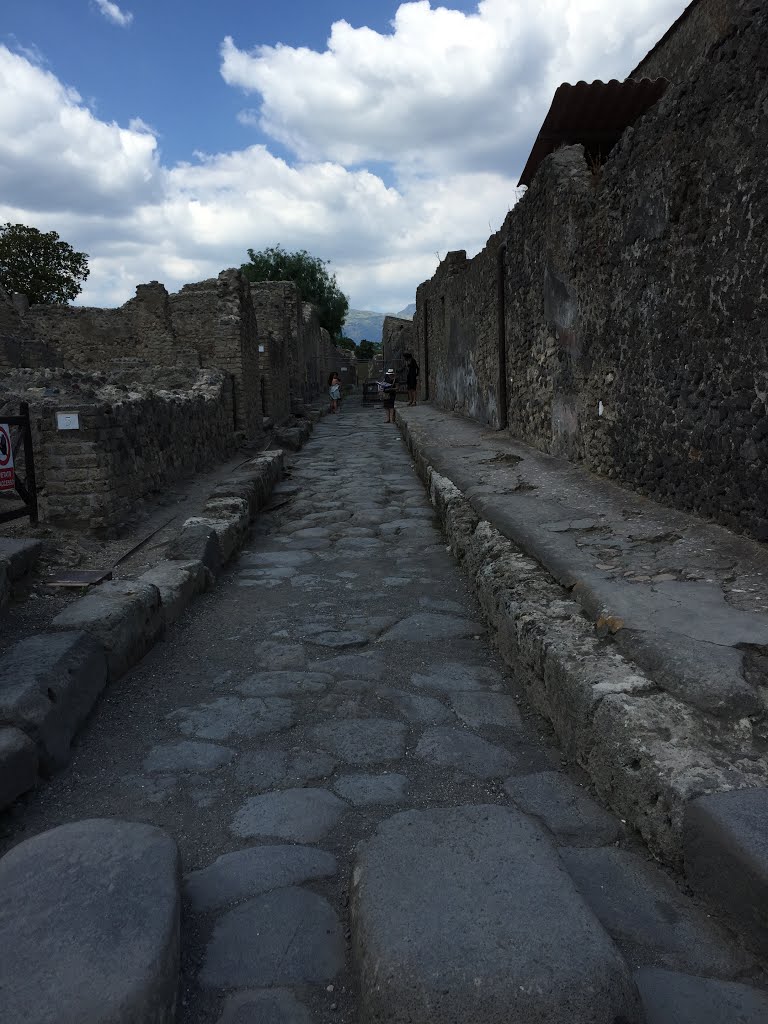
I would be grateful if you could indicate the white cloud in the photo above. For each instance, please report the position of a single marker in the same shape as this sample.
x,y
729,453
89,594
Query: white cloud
x,y
113,13
444,89
449,102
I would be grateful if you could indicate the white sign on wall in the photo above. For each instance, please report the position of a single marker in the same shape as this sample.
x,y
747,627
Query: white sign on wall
x,y
67,421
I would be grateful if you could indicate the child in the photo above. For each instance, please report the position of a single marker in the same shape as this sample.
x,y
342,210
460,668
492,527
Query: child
x,y
334,390
389,387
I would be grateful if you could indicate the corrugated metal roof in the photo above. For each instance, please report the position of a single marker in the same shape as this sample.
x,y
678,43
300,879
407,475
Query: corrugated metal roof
x,y
594,114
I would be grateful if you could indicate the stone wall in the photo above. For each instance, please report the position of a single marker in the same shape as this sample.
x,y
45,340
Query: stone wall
x,y
397,336
132,441
633,303
277,306
686,45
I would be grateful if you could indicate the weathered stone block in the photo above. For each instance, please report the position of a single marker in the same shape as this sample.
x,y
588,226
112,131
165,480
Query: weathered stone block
x,y
197,541
18,765
20,555
465,913
725,844
178,584
48,685
124,616
89,926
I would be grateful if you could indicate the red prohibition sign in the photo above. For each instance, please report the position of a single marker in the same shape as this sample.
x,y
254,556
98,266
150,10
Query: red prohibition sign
x,y
6,451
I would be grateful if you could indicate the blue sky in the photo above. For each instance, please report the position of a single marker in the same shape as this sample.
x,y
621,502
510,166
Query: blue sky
x,y
165,138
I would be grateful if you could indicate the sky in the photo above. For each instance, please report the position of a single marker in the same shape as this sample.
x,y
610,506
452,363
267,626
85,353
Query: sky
x,y
167,137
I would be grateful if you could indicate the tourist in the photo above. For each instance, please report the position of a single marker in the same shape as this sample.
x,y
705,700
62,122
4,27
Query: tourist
x,y
389,387
334,390
412,377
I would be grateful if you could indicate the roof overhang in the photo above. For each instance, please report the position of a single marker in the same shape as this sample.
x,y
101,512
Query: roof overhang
x,y
595,115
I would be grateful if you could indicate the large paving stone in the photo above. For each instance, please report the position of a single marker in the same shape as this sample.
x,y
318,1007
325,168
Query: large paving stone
x,y
301,815
48,685
362,741
262,684
187,756
89,926
453,676
725,845
262,770
341,638
18,764
270,1006
429,626
419,709
670,998
648,917
679,998
286,937
354,666
456,748
465,914
234,716
288,557
477,709
567,811
247,873
362,789
124,616
274,656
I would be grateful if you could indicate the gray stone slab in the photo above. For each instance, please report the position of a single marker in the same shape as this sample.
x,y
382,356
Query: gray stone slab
x,y
453,676
362,790
247,873
648,917
671,998
362,741
477,709
354,666
89,926
465,914
567,811
262,770
178,583
260,559
431,626
463,751
417,708
301,815
48,686
19,555
286,937
275,656
18,764
235,716
187,756
124,616
725,846
270,1006
340,638
439,604
197,542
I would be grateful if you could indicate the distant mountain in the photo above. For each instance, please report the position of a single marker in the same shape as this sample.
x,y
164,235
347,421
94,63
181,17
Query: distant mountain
x,y
364,323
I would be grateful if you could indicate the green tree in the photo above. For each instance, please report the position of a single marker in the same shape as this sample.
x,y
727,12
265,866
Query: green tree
x,y
40,265
366,349
310,275
347,344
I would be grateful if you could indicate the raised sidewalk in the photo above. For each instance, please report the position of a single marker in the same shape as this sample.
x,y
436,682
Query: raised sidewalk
x,y
639,631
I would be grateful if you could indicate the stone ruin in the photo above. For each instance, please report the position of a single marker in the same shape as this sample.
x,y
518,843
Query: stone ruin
x,y
162,387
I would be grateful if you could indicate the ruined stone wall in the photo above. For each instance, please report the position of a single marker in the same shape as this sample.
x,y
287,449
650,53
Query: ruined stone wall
x,y
217,319
90,338
634,302
132,440
276,306
397,336
686,45
18,345
311,346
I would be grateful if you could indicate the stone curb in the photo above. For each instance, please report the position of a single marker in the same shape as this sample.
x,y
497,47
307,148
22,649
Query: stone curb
x,y
647,753
123,619
17,558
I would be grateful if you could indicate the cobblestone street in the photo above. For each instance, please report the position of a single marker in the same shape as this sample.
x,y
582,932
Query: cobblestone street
x,y
340,674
